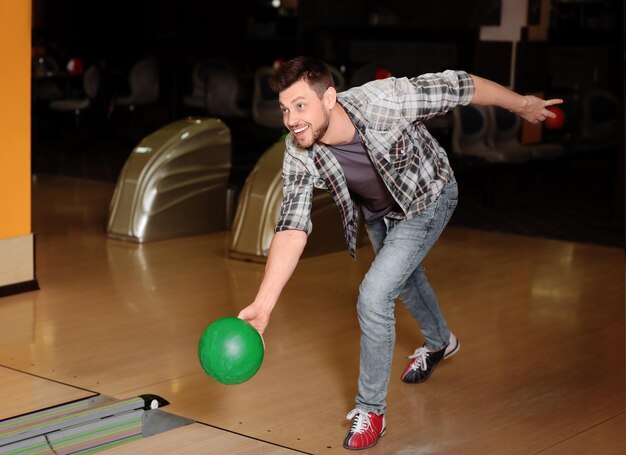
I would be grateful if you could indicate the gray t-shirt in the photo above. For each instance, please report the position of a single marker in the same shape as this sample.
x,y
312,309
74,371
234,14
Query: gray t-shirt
x,y
364,183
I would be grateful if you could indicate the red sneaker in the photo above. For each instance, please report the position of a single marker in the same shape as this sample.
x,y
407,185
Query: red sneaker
x,y
367,428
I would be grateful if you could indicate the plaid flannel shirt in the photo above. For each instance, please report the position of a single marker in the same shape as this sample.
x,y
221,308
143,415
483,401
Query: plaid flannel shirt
x,y
389,116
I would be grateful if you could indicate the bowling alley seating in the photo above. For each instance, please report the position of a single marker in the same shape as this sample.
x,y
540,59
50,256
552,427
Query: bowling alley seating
x,y
473,150
259,207
473,136
43,65
265,109
91,84
45,83
197,98
367,72
143,81
215,90
222,93
601,117
338,78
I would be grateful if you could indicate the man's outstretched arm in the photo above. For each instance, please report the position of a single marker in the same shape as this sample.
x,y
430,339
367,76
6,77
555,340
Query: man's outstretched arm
x,y
282,259
531,108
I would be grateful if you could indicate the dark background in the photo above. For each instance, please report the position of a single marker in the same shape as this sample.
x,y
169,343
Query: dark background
x,y
579,197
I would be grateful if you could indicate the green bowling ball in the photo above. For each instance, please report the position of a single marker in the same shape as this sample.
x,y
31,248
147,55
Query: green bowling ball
x,y
231,350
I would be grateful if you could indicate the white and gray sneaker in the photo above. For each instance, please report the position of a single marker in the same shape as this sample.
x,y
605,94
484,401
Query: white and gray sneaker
x,y
453,346
424,361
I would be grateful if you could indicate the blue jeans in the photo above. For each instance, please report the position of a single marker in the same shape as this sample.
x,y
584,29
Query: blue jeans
x,y
397,271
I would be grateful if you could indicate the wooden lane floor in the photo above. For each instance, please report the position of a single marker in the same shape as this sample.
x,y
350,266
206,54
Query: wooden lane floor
x,y
23,393
541,324
198,439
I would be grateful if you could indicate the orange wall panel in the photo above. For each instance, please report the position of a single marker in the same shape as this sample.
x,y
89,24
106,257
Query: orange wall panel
x,y
15,172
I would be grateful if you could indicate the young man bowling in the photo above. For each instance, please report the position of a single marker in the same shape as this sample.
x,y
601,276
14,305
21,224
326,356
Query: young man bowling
x,y
369,147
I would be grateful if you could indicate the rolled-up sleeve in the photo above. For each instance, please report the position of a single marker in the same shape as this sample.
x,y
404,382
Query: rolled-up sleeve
x,y
432,94
295,210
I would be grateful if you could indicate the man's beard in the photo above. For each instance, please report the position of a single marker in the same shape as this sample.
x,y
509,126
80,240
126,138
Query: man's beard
x,y
319,132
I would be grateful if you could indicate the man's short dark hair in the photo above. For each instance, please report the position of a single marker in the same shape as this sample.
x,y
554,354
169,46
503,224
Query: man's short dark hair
x,y
311,70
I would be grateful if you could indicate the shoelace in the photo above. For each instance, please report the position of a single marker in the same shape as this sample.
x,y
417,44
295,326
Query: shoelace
x,y
362,421
420,355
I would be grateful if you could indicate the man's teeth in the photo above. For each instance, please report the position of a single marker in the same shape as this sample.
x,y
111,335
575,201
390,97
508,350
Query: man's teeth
x,y
299,130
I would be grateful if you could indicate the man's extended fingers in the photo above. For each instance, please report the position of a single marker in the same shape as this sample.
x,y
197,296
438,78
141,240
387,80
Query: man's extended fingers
x,y
554,101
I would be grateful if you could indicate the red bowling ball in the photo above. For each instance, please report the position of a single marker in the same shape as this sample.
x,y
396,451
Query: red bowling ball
x,y
558,121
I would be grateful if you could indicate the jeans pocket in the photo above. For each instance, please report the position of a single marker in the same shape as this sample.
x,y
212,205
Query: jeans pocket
x,y
452,195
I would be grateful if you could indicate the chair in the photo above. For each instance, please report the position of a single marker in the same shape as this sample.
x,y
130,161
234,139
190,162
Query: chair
x,y
144,84
215,90
91,85
506,131
601,115
265,109
369,72
338,78
44,85
222,93
473,147
473,135
197,98
43,65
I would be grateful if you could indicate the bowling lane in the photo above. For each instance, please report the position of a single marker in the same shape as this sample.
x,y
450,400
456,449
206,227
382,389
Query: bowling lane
x,y
200,439
23,393
506,297
124,319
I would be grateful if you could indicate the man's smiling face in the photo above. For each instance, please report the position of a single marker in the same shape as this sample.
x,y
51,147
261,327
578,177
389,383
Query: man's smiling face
x,y
304,113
